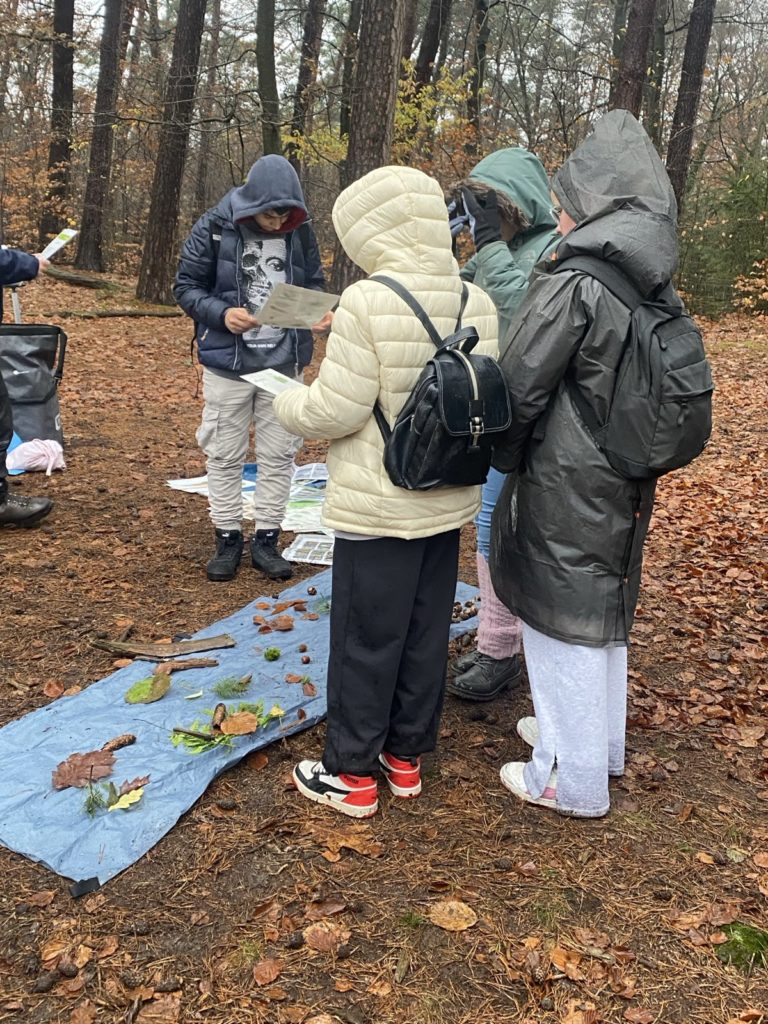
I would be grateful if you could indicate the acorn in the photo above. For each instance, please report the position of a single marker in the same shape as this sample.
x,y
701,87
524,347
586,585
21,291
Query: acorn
x,y
306,659
311,591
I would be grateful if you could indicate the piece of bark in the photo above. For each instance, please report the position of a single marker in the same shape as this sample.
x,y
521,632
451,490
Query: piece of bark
x,y
168,667
125,740
160,651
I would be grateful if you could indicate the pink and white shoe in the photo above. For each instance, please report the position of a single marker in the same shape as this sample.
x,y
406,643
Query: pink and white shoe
x,y
354,795
512,777
402,776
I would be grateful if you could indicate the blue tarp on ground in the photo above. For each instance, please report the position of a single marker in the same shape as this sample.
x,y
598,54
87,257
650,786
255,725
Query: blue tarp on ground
x,y
51,827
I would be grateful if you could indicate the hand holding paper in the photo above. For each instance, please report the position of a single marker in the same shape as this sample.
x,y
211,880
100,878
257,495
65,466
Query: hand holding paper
x,y
57,243
291,306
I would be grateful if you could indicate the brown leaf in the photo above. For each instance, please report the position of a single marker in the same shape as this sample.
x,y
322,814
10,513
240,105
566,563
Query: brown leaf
x,y
639,1016
380,988
80,769
311,616
293,678
325,936
264,605
580,1013
44,898
319,909
53,689
257,761
122,662
138,783
241,724
109,946
52,951
265,628
705,858
761,860
452,915
163,1010
83,1013
267,971
282,623
357,837
309,689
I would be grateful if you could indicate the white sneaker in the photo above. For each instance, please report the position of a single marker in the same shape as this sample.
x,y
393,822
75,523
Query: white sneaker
x,y
528,730
512,777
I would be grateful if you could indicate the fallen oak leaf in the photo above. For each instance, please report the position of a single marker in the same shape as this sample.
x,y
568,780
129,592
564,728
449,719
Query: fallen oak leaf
x,y
127,800
79,770
309,689
137,783
291,677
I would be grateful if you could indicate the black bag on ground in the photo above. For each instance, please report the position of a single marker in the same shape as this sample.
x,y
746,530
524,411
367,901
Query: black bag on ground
x,y
660,416
32,362
443,435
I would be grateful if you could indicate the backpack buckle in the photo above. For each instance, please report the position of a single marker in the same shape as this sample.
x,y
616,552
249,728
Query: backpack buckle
x,y
476,429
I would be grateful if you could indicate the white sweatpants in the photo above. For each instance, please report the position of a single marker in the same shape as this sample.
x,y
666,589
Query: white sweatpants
x,y
231,406
580,699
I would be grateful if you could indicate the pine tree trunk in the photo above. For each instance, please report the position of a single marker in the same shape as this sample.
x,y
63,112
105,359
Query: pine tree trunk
x,y
619,34
62,93
350,48
90,241
310,53
265,65
202,189
632,70
482,28
160,243
653,112
409,29
688,95
373,105
438,14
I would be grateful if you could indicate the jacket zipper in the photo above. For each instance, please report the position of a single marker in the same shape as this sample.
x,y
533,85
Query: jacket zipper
x,y
237,279
476,425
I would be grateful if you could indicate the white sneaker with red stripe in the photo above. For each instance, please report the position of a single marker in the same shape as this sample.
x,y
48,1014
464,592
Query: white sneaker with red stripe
x,y
513,778
403,776
355,795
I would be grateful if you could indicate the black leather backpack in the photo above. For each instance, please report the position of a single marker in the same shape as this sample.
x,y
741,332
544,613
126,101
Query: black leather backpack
x,y
444,434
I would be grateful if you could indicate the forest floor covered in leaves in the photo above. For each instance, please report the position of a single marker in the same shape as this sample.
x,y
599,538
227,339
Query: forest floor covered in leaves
x,y
578,922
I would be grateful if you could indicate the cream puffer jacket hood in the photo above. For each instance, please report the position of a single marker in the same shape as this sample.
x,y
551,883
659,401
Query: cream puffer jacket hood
x,y
391,221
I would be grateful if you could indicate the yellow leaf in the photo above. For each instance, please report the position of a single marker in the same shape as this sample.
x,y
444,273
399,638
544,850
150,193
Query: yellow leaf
x,y
127,800
452,915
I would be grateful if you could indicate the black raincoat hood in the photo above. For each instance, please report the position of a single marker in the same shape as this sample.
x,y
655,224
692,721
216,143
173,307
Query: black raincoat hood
x,y
615,187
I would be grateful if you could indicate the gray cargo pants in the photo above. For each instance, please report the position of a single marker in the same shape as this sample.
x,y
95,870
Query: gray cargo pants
x,y
231,406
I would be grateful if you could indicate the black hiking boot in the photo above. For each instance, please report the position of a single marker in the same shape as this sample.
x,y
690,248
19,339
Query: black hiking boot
x,y
464,662
16,510
226,561
487,678
265,556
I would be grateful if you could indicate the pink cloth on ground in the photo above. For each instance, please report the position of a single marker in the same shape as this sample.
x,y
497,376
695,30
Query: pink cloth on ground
x,y
499,633
37,455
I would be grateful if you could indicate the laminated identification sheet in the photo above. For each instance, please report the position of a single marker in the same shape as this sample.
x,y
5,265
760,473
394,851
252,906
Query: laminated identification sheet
x,y
291,306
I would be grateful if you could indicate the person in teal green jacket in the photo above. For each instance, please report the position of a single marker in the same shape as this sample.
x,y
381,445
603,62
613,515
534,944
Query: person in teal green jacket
x,y
506,204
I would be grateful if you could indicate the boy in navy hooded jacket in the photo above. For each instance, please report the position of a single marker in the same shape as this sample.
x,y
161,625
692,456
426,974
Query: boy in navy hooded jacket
x,y
256,237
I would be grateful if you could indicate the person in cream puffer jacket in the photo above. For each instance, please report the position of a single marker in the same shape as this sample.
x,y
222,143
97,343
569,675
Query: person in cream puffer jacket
x,y
396,553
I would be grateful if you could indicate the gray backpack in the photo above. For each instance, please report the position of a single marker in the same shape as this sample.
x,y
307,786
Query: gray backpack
x,y
660,416
32,362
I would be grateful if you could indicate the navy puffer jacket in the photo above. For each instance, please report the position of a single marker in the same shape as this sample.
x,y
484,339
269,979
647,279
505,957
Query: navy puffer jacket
x,y
209,279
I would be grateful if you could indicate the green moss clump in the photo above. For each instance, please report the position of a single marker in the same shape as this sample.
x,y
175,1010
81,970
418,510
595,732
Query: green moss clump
x,y
746,948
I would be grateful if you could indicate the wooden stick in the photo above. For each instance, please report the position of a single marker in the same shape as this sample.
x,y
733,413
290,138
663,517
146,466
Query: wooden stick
x,y
160,651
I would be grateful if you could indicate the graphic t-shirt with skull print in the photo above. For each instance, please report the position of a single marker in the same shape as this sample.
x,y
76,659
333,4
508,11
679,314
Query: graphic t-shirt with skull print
x,y
264,265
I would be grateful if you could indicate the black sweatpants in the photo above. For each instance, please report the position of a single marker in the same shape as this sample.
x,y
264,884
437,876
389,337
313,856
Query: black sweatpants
x,y
391,606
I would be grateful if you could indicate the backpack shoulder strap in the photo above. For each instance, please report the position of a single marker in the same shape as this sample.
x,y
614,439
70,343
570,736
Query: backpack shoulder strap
x,y
608,275
462,307
406,296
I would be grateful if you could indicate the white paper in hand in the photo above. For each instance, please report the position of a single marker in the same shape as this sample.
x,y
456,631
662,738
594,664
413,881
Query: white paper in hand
x,y
58,242
291,306
272,381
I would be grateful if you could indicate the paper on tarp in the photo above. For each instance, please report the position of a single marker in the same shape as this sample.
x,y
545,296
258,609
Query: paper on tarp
x,y
51,827
305,503
312,548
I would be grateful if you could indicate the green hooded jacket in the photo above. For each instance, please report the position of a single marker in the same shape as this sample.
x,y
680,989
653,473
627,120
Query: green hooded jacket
x,y
503,269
